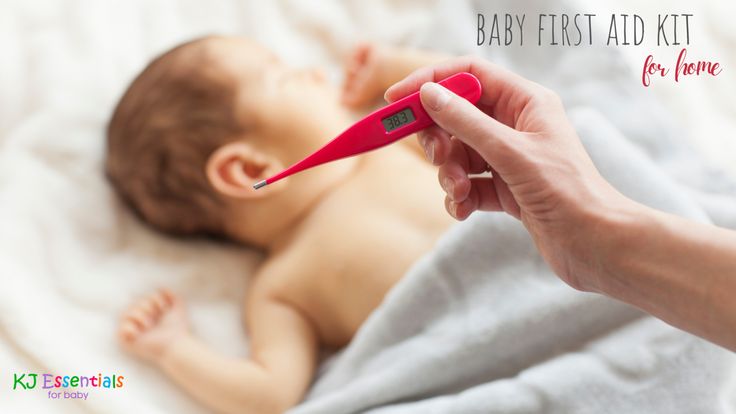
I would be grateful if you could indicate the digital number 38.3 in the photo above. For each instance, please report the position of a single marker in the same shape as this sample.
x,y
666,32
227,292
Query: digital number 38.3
x,y
398,119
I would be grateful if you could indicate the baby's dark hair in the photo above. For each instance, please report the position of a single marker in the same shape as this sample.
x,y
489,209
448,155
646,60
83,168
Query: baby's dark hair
x,y
173,116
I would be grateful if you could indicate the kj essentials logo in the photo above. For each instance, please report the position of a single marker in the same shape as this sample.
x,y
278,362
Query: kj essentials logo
x,y
66,386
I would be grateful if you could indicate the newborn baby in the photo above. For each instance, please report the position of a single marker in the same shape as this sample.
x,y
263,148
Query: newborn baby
x,y
193,132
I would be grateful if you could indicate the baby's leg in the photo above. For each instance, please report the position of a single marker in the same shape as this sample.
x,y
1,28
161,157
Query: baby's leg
x,y
371,69
275,378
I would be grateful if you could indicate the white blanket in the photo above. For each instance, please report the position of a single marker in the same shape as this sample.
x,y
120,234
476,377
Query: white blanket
x,y
71,257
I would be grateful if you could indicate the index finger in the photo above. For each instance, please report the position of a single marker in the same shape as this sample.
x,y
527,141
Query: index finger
x,y
498,83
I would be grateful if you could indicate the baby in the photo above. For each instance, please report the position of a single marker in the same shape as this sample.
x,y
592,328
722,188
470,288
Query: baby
x,y
193,132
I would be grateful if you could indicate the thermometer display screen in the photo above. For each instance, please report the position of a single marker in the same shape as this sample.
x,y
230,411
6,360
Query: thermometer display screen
x,y
398,119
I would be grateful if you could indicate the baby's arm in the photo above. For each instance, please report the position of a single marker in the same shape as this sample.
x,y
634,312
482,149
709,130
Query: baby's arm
x,y
275,377
372,68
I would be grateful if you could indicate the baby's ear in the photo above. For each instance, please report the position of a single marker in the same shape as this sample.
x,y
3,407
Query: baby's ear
x,y
233,169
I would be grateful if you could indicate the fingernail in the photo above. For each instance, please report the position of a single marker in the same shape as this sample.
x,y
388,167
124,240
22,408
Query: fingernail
x,y
448,184
385,94
434,96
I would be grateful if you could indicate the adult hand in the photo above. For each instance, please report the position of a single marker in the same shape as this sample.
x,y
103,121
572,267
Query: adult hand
x,y
593,237
541,174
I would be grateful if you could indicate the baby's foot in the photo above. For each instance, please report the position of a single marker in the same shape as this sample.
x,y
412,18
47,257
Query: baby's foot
x,y
365,74
152,324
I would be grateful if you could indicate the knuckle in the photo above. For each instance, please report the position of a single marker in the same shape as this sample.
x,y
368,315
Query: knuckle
x,y
473,60
422,137
547,97
442,176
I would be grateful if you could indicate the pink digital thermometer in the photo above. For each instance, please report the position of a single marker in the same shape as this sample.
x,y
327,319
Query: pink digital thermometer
x,y
382,127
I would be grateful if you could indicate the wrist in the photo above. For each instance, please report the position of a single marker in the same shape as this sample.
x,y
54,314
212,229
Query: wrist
x,y
178,350
613,233
620,233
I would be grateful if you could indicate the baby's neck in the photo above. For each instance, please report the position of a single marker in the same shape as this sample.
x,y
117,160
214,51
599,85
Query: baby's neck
x,y
274,224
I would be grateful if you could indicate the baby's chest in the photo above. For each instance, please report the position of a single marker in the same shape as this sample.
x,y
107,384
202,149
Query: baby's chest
x,y
348,277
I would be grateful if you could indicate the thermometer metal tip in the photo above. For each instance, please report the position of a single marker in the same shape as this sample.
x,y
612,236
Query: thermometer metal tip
x,y
259,184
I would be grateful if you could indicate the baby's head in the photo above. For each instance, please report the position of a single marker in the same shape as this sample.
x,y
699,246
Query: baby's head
x,y
206,120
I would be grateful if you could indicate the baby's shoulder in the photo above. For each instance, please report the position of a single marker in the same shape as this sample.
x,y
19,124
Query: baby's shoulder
x,y
284,271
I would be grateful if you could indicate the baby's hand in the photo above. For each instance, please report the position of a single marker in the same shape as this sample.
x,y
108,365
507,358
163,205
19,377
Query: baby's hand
x,y
152,324
365,79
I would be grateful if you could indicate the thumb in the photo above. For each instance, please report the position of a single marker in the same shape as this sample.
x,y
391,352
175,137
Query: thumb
x,y
469,124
